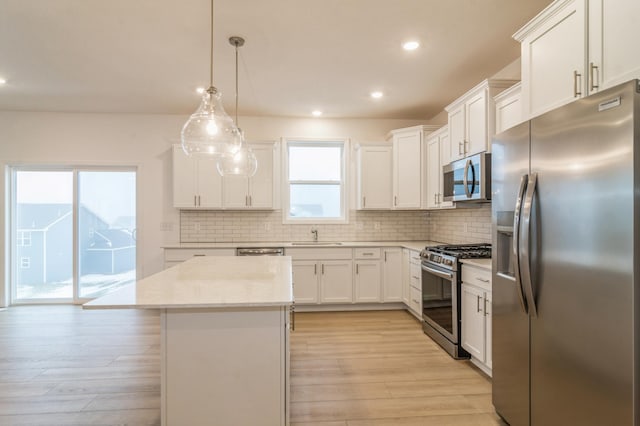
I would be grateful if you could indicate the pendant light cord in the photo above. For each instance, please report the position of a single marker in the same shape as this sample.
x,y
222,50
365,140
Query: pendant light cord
x,y
211,67
236,84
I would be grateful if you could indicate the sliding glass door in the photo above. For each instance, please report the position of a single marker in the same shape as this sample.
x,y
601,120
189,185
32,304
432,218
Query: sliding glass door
x,y
73,233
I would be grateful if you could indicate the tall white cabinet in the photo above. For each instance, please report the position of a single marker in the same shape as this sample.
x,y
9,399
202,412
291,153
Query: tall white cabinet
x,y
437,155
576,47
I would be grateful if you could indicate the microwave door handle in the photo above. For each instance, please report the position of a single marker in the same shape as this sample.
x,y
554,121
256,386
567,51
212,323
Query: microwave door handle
x,y
473,177
525,245
517,214
465,181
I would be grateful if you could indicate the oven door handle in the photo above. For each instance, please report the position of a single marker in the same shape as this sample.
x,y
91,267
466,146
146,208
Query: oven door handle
x,y
437,273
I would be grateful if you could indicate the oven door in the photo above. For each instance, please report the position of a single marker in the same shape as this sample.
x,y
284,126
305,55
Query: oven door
x,y
439,300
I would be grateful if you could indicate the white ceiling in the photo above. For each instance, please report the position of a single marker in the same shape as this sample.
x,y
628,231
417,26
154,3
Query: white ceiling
x,y
148,56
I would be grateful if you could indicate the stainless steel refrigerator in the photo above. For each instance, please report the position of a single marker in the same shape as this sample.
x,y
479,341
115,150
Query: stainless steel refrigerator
x,y
566,248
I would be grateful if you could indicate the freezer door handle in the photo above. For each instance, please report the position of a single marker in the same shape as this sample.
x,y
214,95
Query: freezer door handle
x,y
517,214
525,245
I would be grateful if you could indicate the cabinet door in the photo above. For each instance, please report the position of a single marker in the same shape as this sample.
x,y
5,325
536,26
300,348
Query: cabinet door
x,y
184,179
261,185
209,183
553,60
473,335
612,27
476,124
433,172
305,281
367,281
415,302
508,111
235,192
375,177
392,267
488,308
445,158
336,281
406,164
406,280
456,133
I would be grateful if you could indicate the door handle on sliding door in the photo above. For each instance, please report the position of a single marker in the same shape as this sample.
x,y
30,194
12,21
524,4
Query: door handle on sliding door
x,y
517,213
525,244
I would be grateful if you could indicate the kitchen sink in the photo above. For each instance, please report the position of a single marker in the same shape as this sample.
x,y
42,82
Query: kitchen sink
x,y
315,243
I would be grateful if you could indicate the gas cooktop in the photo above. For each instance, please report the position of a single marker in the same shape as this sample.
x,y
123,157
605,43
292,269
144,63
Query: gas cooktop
x,y
458,251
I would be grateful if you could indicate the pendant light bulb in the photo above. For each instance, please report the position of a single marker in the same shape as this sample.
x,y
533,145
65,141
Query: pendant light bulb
x,y
209,131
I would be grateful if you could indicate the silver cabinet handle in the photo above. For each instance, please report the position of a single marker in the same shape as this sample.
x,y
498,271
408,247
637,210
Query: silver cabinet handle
x,y
395,200
315,269
246,200
525,244
460,149
480,279
323,269
414,277
364,201
199,203
517,213
576,87
477,303
593,81
485,307
195,200
199,255
385,256
357,268
367,254
435,198
250,201
464,146
415,301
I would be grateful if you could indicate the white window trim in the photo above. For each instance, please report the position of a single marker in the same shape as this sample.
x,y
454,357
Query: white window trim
x,y
344,200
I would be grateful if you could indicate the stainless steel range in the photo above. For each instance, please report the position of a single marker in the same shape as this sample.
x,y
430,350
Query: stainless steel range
x,y
441,292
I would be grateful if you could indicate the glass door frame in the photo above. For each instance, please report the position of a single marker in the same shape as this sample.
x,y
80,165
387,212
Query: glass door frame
x,y
10,257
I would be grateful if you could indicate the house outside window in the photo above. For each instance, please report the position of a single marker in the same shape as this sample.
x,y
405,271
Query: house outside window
x,y
25,262
24,238
315,181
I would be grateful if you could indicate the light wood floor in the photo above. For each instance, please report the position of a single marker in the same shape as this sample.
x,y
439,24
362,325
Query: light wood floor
x,y
60,365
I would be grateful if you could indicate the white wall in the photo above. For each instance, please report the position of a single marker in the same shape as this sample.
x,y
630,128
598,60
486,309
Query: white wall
x,y
145,141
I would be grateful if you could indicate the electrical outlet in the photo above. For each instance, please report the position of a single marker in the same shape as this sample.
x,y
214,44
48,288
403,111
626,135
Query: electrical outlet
x,y
376,225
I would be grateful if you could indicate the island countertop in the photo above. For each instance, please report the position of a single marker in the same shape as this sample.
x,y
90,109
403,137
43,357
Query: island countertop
x,y
208,282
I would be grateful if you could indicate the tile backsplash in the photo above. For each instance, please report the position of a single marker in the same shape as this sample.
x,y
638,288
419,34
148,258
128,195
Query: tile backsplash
x,y
449,226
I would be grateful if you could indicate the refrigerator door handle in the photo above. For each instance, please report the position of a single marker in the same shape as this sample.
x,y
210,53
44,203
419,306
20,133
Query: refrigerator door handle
x,y
525,243
517,214
465,181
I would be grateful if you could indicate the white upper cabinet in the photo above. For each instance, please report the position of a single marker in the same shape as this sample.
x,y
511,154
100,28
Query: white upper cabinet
x,y
509,108
196,182
408,169
577,47
437,156
375,179
255,192
471,119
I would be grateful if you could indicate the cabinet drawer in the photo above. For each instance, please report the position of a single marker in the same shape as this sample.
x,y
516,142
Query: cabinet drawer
x,y
415,301
415,276
180,255
366,253
414,257
476,276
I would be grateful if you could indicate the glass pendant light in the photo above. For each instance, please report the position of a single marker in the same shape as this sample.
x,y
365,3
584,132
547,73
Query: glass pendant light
x,y
240,161
210,131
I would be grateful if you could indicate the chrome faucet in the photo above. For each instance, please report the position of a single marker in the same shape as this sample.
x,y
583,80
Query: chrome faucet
x,y
315,234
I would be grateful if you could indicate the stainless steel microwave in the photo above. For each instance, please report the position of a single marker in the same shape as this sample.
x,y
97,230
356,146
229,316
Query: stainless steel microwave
x,y
468,179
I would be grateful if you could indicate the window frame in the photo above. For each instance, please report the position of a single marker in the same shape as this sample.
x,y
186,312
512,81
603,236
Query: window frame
x,y
343,144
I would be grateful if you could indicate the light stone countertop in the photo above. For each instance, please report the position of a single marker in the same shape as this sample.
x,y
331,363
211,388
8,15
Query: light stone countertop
x,y
208,282
480,263
412,245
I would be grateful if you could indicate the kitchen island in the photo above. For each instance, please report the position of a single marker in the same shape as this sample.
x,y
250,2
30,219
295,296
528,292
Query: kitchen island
x,y
224,338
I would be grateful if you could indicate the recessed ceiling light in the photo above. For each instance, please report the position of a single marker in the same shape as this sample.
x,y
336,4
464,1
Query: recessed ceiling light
x,y
317,113
2,81
376,95
200,90
411,45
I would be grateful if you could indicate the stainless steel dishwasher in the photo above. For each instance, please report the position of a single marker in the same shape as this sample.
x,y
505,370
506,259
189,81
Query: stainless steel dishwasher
x,y
260,251
269,251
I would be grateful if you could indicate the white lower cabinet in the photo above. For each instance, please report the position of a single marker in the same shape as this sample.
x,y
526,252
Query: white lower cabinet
x,y
414,290
406,284
305,281
392,273
336,281
476,315
367,281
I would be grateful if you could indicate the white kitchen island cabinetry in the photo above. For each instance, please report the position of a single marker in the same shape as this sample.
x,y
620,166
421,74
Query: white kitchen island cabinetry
x,y
224,338
471,118
574,48
476,312
196,182
375,179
